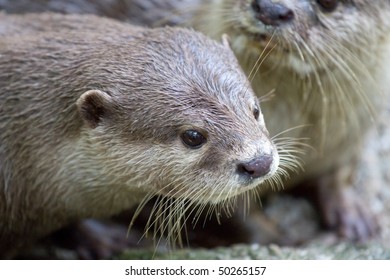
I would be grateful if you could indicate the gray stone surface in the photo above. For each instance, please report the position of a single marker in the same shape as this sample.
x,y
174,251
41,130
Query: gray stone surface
x,y
316,250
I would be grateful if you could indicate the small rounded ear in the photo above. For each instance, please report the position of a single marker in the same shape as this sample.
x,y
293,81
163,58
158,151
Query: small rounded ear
x,y
93,106
226,40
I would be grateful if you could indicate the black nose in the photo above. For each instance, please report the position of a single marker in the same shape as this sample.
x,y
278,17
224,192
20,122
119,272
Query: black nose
x,y
256,168
271,13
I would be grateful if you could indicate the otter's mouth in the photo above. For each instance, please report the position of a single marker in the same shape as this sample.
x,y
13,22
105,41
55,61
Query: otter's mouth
x,y
245,187
265,41
261,38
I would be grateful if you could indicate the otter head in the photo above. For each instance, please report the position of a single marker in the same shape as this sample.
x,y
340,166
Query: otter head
x,y
309,35
177,118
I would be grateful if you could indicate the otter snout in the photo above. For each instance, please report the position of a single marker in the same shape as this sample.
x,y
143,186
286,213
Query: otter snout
x,y
257,167
271,13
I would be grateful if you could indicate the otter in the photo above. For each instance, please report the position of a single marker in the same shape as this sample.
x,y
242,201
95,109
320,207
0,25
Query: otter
x,y
326,62
98,115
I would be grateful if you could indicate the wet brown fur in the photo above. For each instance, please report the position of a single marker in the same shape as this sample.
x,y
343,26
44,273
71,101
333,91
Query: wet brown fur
x,y
328,70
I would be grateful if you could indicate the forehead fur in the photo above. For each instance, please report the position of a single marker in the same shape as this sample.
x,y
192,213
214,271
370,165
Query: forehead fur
x,y
186,63
178,73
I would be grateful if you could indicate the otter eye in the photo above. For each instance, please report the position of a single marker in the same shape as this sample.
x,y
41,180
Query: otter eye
x,y
328,5
193,139
256,112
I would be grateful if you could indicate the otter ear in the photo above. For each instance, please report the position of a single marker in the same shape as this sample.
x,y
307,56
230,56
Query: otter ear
x,y
93,106
226,40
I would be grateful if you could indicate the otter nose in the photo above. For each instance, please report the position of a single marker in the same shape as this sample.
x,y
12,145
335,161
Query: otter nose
x,y
257,167
271,13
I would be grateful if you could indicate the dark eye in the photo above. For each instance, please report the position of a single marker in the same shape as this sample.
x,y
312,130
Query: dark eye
x,y
328,5
193,139
256,112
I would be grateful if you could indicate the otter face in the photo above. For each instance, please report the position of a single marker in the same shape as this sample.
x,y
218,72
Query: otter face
x,y
189,129
197,151
308,35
